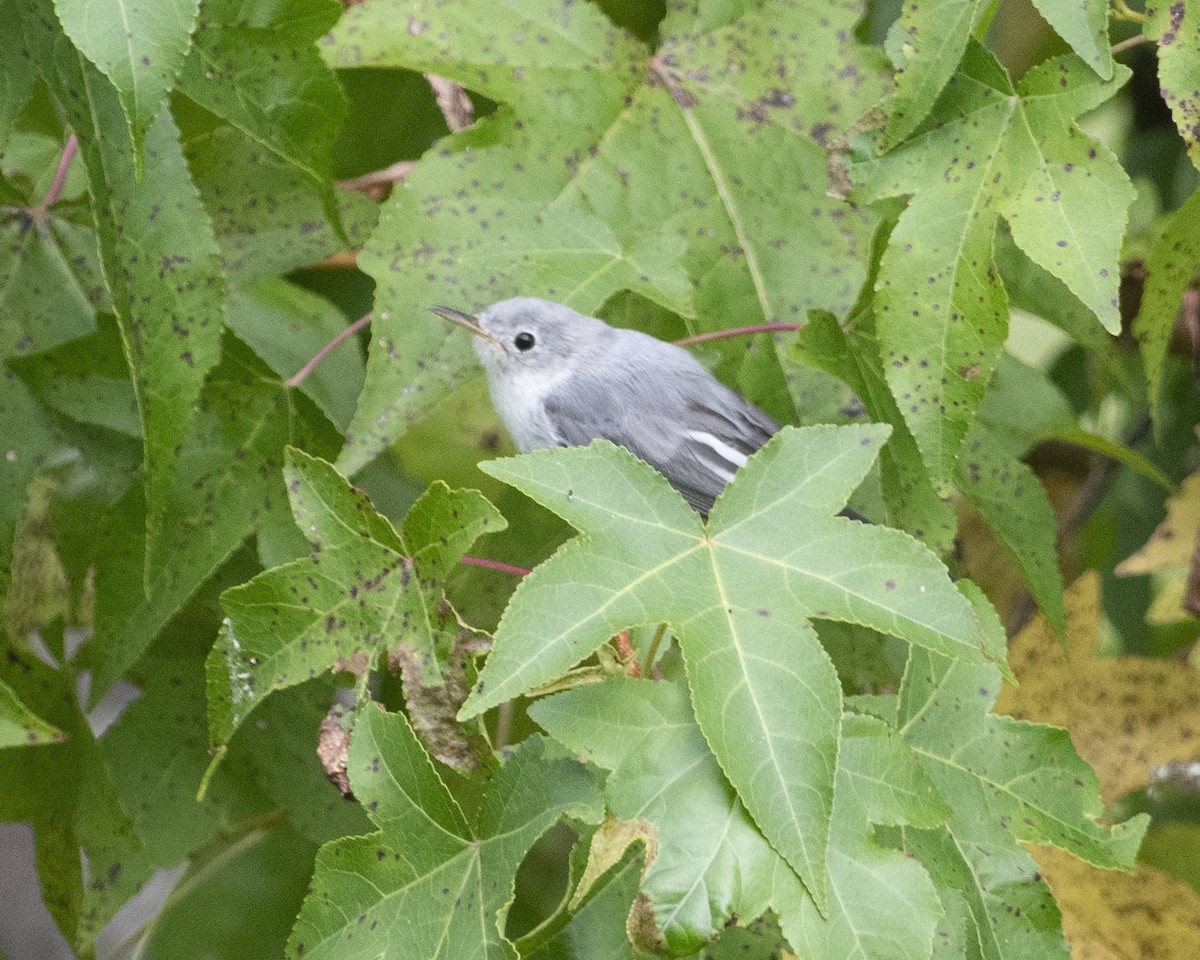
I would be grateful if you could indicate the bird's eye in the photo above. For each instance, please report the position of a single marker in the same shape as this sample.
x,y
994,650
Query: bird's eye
x,y
524,341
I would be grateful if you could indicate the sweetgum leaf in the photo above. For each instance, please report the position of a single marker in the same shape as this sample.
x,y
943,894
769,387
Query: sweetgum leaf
x,y
156,248
140,45
365,592
925,43
1006,781
989,150
695,177
257,66
428,883
90,858
268,216
1084,25
1176,28
227,483
912,503
739,596
20,726
714,863
1169,271
50,280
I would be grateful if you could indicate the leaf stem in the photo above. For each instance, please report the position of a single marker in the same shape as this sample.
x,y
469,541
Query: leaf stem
x,y
302,374
648,663
1128,43
60,178
738,332
494,565
368,183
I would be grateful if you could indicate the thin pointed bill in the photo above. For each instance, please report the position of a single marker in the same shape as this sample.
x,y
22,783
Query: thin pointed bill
x,y
467,321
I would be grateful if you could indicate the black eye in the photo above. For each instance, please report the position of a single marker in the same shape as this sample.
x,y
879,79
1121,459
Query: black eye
x,y
524,341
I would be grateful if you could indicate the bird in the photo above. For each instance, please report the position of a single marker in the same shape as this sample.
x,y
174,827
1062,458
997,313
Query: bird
x,y
559,378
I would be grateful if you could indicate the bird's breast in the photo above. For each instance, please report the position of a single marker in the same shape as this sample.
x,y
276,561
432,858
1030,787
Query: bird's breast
x,y
519,397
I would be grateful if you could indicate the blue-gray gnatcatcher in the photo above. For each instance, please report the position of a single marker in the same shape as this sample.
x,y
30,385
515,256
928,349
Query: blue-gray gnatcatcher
x,y
560,379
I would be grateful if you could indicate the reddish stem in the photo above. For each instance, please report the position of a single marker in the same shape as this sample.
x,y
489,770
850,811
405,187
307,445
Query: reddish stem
x,y
302,374
738,332
60,176
494,565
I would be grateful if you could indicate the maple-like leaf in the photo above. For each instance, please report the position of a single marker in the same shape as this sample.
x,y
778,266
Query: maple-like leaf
x,y
739,595
365,591
988,150
430,882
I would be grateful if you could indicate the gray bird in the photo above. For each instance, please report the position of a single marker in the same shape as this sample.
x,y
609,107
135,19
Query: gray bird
x,y
561,379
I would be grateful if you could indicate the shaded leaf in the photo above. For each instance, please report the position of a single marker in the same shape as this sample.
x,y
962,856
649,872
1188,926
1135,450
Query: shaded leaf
x,y
772,557
988,150
257,66
268,216
227,482
363,593
20,726
451,881
1169,271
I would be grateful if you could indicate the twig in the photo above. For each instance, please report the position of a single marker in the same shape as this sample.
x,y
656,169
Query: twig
x,y
494,565
1121,11
1128,43
342,260
738,332
60,178
369,183
302,374
453,101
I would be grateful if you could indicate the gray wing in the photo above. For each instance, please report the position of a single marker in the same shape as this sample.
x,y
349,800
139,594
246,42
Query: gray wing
x,y
675,416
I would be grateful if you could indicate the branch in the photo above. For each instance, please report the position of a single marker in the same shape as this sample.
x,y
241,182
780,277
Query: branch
x,y
453,101
1128,43
302,374
378,183
738,332
494,565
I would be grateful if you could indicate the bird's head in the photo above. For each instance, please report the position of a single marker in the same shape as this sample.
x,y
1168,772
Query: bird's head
x,y
528,334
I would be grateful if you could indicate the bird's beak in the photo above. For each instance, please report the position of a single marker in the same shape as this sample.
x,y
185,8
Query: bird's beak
x,y
468,321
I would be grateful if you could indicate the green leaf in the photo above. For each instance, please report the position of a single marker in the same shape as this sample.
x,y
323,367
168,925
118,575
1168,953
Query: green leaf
x,y
1176,29
988,151
1006,781
20,726
773,557
90,859
1084,25
257,67
268,216
1170,270
912,503
157,250
16,82
140,45
926,43
227,482
50,280
287,326
695,177
449,880
365,592
714,864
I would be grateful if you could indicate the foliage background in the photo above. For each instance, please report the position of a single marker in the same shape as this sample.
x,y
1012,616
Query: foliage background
x,y
987,222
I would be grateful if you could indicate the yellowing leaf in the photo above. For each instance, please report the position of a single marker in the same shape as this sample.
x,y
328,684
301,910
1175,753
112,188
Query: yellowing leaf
x,y
1175,539
1112,916
1125,714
